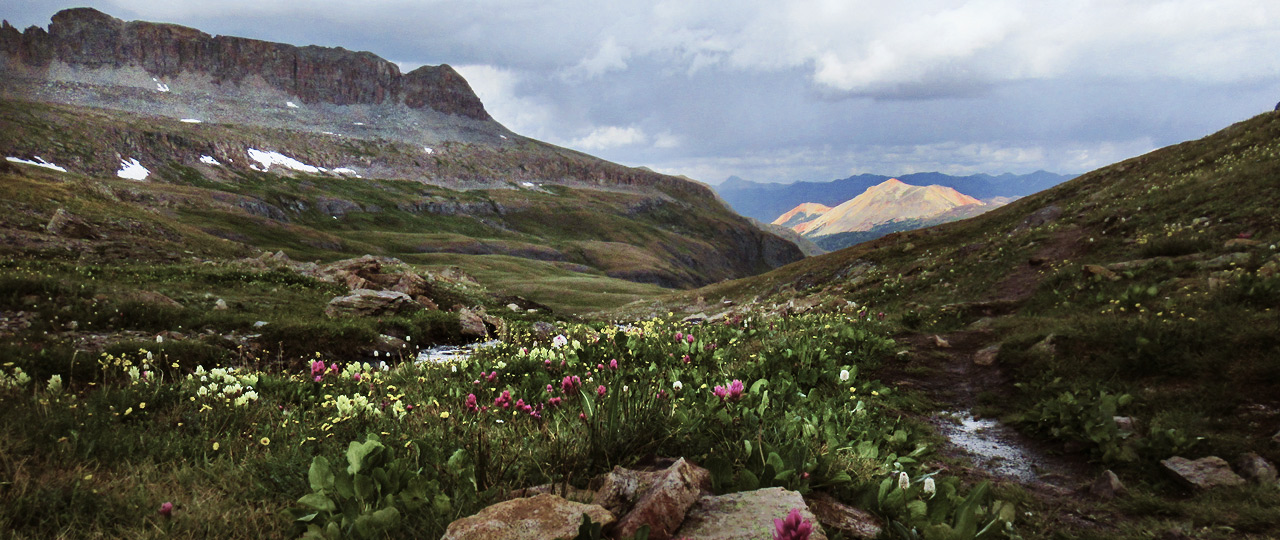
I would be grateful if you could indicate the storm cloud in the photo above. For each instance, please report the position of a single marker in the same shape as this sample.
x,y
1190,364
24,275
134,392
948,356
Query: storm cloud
x,y
807,89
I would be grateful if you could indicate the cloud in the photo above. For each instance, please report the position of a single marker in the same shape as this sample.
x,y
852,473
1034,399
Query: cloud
x,y
608,137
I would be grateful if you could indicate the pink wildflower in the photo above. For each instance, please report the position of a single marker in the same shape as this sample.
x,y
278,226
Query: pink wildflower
x,y
679,336
730,393
471,403
601,390
166,509
688,338
600,367
503,400
356,377
554,402
793,527
686,359
492,376
550,389
613,364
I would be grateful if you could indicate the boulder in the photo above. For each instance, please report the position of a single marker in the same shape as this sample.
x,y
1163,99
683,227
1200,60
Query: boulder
x,y
1256,468
941,342
851,522
1108,486
472,323
412,284
745,515
1101,271
1204,473
66,224
368,302
571,493
987,355
661,504
220,304
1240,244
548,517
153,298
544,330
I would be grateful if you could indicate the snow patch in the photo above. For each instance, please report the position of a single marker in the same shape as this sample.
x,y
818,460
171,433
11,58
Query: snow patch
x,y
209,160
528,184
358,124
267,159
428,150
504,137
160,87
132,170
191,121
38,162
344,170
291,105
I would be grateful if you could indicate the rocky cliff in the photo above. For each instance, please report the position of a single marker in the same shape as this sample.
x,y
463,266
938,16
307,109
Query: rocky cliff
x,y
87,38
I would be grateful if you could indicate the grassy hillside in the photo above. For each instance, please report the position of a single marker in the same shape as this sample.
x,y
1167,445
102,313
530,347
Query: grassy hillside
x,y
1156,279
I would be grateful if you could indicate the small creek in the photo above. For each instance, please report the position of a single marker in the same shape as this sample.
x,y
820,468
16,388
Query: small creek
x,y
994,447
452,353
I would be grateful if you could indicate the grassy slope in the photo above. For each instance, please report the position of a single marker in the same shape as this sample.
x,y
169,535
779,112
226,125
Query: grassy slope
x,y
1188,332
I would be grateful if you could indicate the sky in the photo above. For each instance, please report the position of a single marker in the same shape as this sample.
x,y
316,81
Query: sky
x,y
788,90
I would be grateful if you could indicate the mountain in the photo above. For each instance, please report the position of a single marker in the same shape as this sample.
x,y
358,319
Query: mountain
x,y
326,153
764,201
799,217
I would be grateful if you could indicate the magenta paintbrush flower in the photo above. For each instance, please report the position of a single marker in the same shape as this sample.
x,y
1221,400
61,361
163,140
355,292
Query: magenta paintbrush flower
x,y
792,527
166,509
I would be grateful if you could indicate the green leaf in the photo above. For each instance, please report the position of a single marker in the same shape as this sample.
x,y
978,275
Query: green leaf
x,y
918,509
756,386
320,475
357,453
364,487
318,501
747,481
343,485
442,504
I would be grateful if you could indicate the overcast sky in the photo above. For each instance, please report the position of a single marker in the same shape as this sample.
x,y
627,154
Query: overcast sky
x,y
783,90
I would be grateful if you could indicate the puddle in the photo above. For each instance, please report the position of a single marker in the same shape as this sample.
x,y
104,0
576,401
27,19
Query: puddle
x,y
994,446
452,353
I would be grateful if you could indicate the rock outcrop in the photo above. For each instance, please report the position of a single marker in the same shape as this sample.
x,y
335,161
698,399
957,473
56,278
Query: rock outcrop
x,y
88,38
1204,473
745,515
544,517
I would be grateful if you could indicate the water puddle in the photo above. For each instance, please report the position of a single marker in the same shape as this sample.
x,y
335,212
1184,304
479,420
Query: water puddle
x,y
993,446
452,353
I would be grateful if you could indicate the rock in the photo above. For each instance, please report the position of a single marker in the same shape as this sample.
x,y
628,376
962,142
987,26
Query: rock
x,y
1225,261
1102,271
412,284
1240,244
64,223
544,330
1045,347
220,304
851,522
940,342
1203,473
368,302
745,515
695,318
472,323
1125,424
663,505
426,303
260,324
153,298
1040,217
1038,260
515,308
1256,468
1108,486
571,493
987,355
546,517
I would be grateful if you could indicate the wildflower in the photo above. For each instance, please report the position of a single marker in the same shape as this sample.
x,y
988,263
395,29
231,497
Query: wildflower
x,y
559,341
677,386
444,415
688,338
166,509
492,376
264,441
550,389
503,400
554,402
793,527
929,487
215,446
679,336
685,358
844,375
613,364
55,384
601,390
904,481
730,393
471,403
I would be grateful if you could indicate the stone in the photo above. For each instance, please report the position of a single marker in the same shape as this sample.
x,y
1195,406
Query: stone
x,y
153,298
987,355
663,504
472,324
1045,347
1040,217
1108,486
851,522
66,224
1204,473
941,342
426,303
1037,260
1101,271
368,302
1240,244
412,284
546,516
571,493
220,304
515,308
1225,261
544,330
745,515
1256,468
1125,424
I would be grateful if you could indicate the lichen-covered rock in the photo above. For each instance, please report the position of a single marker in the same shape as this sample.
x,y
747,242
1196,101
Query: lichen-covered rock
x,y
367,302
544,517
1256,468
65,224
1204,473
472,323
746,515
1108,486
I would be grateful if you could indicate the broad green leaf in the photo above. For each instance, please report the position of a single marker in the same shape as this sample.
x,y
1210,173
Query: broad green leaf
x,y
364,487
320,475
318,501
747,481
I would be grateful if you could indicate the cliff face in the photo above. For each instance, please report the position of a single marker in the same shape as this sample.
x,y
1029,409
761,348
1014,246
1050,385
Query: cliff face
x,y
84,37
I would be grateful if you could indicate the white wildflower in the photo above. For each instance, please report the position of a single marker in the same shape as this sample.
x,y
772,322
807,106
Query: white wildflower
x,y
55,384
677,386
904,481
929,487
559,341
844,375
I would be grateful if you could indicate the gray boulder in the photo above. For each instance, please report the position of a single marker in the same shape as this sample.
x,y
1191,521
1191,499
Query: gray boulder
x,y
744,516
1256,468
1204,473
368,302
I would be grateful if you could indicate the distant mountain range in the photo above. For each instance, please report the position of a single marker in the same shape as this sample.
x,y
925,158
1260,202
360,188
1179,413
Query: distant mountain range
x,y
766,201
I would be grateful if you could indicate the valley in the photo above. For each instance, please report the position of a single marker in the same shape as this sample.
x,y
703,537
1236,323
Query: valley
x,y
256,290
